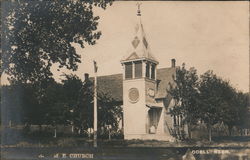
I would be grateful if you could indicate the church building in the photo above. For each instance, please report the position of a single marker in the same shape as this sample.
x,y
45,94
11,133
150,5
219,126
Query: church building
x,y
142,91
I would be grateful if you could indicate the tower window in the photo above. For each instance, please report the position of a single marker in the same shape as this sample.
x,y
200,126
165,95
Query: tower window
x,y
153,71
128,70
147,70
138,69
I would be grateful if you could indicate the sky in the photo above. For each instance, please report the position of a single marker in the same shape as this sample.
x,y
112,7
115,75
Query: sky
x,y
207,35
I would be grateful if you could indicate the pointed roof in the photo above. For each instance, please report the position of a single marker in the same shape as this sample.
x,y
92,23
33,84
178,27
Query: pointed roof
x,y
139,45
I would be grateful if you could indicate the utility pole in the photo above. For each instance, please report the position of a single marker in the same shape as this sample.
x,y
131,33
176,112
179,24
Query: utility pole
x,y
95,105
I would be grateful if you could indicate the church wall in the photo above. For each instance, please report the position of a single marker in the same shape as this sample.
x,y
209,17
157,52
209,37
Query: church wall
x,y
168,119
150,84
160,128
135,114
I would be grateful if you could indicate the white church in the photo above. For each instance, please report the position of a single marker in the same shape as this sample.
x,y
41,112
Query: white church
x,y
142,91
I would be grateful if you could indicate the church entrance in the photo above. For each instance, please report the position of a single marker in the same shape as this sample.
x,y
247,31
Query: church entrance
x,y
153,119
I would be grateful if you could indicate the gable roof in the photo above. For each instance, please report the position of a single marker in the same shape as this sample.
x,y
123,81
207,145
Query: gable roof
x,y
164,78
133,56
112,84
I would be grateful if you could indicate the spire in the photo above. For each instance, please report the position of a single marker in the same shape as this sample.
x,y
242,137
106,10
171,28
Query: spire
x,y
139,45
138,10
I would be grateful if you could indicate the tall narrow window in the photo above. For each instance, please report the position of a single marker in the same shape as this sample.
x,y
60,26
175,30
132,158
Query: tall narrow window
x,y
147,70
174,119
138,69
153,71
181,122
128,70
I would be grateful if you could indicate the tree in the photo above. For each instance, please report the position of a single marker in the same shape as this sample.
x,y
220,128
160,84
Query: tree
x,y
240,112
209,99
33,111
20,104
54,106
109,112
79,98
83,110
230,106
217,101
220,102
185,92
69,102
244,105
38,34
72,88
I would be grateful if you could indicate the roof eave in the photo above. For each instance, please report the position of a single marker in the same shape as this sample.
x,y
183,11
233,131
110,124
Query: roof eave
x,y
140,59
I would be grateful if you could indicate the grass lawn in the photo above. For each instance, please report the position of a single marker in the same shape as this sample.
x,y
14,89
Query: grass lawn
x,y
85,142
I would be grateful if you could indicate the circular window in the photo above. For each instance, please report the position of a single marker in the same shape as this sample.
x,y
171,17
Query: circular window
x,y
133,95
151,92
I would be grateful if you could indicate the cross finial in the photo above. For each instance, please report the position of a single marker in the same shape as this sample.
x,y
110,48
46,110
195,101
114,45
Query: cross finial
x,y
138,10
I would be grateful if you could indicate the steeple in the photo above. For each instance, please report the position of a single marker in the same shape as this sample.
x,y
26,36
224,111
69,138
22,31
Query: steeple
x,y
139,45
139,85
138,10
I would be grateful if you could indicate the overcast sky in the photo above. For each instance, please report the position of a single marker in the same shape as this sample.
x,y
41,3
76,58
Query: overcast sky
x,y
205,35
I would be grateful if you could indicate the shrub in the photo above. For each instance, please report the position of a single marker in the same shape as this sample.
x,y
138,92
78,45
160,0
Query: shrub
x,y
67,142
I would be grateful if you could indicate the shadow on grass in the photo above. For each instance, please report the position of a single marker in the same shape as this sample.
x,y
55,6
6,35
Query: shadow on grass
x,y
232,139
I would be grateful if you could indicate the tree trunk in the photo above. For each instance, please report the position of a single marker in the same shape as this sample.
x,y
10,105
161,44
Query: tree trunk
x,y
230,130
241,132
10,123
55,133
72,128
189,131
40,128
27,128
109,135
209,132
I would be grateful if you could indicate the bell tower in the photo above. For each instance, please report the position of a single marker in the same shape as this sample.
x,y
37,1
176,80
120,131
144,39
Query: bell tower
x,y
139,84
